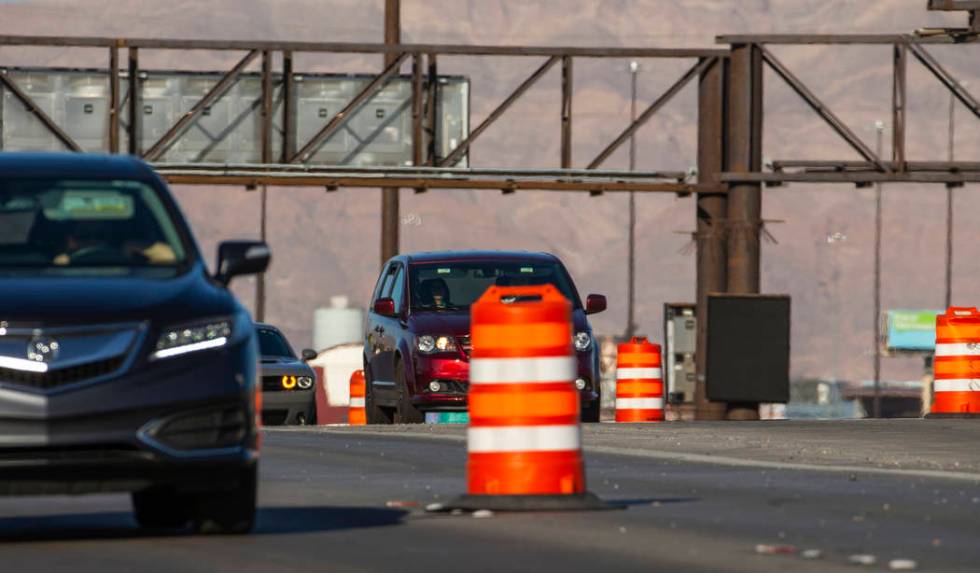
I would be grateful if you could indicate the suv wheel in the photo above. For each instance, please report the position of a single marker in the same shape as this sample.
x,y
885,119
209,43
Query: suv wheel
x,y
591,413
160,508
375,414
406,413
228,511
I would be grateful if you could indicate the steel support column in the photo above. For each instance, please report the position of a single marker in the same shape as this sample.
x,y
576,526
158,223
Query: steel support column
x,y
390,195
712,211
566,112
135,104
431,108
744,199
900,67
288,108
114,99
266,157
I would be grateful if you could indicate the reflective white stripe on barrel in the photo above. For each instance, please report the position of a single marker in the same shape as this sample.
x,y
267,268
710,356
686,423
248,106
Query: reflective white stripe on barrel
x,y
637,373
357,402
522,439
522,370
958,349
639,403
957,385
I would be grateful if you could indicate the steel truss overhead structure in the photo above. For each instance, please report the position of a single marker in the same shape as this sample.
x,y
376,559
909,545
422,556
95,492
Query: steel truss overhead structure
x,y
281,170
730,126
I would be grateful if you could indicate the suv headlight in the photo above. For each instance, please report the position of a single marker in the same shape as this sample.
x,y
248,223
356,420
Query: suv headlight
x,y
582,341
428,344
193,337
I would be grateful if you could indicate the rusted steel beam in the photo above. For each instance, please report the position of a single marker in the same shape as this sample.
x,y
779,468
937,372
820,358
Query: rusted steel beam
x,y
840,39
344,115
431,107
267,90
288,108
418,114
845,165
944,76
214,94
37,112
744,155
456,154
855,177
821,109
673,90
954,5
363,47
114,88
135,103
422,171
325,180
710,236
899,91
567,88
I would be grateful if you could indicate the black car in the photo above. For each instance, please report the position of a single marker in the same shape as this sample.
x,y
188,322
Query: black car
x,y
287,381
125,365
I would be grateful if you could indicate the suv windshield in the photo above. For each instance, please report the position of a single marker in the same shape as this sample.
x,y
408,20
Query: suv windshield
x,y
457,285
54,226
271,343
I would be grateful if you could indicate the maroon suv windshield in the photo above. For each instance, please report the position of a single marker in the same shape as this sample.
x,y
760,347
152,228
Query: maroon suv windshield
x,y
457,285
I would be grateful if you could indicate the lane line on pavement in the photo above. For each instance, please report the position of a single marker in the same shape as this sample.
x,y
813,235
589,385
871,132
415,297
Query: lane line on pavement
x,y
699,458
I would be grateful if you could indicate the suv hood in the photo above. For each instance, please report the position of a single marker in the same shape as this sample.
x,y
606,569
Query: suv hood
x,y
86,300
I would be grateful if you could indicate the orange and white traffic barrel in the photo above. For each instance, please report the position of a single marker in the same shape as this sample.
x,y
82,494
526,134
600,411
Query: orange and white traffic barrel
x,y
356,414
639,382
524,439
956,385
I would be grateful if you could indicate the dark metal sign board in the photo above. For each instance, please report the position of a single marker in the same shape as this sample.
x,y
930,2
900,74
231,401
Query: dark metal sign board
x,y
748,348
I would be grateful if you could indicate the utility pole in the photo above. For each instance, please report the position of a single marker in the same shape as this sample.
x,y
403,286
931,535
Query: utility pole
x,y
948,299
631,269
390,195
876,408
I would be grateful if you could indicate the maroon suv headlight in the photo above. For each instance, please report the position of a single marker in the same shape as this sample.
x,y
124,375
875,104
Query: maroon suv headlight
x,y
431,344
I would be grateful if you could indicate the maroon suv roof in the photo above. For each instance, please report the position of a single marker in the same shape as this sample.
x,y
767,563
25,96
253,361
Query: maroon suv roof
x,y
440,256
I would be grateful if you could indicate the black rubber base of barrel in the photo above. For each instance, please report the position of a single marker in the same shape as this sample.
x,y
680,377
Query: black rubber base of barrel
x,y
576,502
932,416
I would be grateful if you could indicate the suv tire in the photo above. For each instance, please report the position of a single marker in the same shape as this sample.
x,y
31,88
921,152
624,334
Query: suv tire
x,y
160,508
228,511
406,413
375,414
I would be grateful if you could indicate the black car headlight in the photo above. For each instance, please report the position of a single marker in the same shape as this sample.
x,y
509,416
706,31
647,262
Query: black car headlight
x,y
193,337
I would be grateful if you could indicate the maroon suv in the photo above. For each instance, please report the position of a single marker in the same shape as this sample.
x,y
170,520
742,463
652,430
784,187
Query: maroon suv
x,y
417,345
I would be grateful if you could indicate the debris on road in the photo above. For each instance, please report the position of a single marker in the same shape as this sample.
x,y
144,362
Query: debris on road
x,y
811,554
399,503
765,549
862,559
482,514
435,507
902,565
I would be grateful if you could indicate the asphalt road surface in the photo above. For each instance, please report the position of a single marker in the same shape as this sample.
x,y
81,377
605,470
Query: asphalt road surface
x,y
697,497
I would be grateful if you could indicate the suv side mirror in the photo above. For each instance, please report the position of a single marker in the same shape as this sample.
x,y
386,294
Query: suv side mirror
x,y
236,258
595,303
384,307
308,354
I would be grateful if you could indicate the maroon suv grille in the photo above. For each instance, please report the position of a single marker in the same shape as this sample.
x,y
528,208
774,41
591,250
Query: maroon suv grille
x,y
63,376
